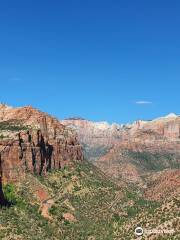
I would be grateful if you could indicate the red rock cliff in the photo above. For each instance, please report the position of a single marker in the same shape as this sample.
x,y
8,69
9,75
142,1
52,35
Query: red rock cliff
x,y
42,144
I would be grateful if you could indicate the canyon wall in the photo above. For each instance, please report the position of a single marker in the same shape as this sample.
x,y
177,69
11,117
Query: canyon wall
x,y
33,141
128,151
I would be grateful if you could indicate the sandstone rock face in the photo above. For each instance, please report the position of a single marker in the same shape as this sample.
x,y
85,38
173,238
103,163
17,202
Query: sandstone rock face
x,y
167,127
95,132
150,135
127,151
42,144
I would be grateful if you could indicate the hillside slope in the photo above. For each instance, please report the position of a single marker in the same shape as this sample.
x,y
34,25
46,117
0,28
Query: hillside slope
x,y
48,191
79,202
33,141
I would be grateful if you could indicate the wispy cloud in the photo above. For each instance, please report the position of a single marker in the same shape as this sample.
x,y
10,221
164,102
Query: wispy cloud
x,y
143,102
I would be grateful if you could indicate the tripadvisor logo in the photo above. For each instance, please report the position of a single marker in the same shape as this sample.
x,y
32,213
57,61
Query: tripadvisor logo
x,y
139,231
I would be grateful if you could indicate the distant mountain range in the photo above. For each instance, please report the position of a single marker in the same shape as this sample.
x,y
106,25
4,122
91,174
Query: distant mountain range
x,y
132,150
89,178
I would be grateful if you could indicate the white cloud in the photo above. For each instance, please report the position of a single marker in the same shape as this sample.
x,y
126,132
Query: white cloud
x,y
143,102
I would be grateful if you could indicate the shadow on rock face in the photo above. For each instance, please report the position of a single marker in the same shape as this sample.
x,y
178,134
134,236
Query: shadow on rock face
x,y
3,201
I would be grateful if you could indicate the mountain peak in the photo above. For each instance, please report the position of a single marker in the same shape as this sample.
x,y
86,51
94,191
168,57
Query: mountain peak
x,y
171,115
167,117
4,105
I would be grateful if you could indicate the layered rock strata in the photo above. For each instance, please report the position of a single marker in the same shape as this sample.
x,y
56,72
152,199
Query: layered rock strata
x,y
33,141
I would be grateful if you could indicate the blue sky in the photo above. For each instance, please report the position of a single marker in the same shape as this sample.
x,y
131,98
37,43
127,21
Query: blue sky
x,y
114,60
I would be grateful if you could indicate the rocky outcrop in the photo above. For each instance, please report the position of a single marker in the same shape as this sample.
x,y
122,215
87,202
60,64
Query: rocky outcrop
x,y
97,137
95,132
128,151
164,128
31,151
34,141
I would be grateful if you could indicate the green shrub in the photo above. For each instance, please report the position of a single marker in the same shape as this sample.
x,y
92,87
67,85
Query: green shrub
x,y
132,211
9,192
12,126
2,136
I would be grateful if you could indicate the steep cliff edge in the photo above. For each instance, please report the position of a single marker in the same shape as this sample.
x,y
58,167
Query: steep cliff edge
x,y
33,141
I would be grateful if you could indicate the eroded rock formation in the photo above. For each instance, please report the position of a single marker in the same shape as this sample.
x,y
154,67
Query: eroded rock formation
x,y
128,151
33,141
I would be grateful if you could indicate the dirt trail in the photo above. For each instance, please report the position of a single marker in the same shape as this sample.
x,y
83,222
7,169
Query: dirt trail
x,y
46,202
45,206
